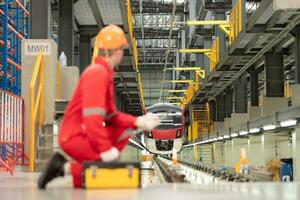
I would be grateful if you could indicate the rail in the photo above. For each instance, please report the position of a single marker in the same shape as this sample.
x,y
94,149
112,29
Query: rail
x,y
190,92
236,21
36,106
214,54
11,131
135,52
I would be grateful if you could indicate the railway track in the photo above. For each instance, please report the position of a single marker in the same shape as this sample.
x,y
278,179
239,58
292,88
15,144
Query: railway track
x,y
169,172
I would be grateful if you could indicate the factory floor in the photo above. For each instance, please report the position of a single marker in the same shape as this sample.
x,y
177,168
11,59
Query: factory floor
x,y
23,186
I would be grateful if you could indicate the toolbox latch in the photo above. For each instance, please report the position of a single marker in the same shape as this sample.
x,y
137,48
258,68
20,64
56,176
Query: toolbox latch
x,y
130,170
93,170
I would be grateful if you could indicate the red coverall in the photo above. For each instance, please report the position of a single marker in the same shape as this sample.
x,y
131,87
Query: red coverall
x,y
83,135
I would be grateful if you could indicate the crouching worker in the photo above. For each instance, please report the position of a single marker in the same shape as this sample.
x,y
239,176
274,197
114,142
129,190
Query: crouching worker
x,y
92,129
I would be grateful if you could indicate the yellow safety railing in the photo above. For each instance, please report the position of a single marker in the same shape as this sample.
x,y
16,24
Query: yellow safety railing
x,y
196,81
190,92
214,54
287,90
141,91
134,51
209,119
182,102
189,133
195,129
36,106
58,80
236,21
129,18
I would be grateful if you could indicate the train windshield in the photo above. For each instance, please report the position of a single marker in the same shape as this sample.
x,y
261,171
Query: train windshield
x,y
169,115
169,120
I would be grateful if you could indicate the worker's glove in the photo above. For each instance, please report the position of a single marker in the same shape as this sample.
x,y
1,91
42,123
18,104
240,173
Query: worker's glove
x,y
110,155
147,122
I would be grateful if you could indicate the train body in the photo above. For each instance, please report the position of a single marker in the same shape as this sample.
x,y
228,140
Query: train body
x,y
169,134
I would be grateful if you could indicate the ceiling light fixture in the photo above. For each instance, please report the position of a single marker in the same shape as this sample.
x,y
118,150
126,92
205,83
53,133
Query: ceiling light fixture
x,y
234,134
243,132
287,123
269,127
254,130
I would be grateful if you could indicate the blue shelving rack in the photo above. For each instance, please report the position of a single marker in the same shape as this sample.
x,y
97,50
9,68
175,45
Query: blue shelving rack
x,y
14,27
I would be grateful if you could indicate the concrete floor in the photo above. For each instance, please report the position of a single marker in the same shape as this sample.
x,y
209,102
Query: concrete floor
x,y
23,186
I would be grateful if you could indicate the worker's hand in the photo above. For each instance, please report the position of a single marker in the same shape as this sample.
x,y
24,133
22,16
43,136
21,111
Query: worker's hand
x,y
147,122
110,155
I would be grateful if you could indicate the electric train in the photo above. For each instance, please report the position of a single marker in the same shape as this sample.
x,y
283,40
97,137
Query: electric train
x,y
169,134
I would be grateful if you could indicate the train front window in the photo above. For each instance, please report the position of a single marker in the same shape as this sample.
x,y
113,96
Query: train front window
x,y
169,120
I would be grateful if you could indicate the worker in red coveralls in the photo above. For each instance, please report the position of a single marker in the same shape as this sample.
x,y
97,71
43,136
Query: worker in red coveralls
x,y
92,128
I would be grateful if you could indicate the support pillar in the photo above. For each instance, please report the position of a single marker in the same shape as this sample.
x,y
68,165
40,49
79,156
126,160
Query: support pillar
x,y
240,91
221,107
254,90
297,57
85,51
213,107
274,74
66,30
40,14
268,149
229,100
296,150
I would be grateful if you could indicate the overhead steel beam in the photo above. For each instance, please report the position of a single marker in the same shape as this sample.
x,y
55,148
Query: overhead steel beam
x,y
96,12
88,29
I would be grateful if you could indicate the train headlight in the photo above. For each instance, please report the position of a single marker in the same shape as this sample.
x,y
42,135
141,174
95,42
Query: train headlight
x,y
178,134
150,135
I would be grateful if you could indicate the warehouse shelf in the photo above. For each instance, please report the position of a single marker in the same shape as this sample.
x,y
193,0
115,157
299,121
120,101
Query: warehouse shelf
x,y
14,28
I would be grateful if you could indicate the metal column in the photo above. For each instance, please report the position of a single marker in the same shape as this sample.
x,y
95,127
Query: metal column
x,y
221,107
66,30
85,51
297,56
40,15
274,74
213,107
240,95
254,90
229,102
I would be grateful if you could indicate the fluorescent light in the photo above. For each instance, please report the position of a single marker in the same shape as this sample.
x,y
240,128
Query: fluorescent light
x,y
226,136
220,138
243,132
287,123
254,130
215,139
269,127
210,140
234,134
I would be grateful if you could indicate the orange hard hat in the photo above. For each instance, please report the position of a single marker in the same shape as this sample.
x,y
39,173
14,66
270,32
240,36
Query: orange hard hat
x,y
111,37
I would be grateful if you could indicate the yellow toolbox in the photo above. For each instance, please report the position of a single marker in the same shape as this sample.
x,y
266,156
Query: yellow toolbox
x,y
97,175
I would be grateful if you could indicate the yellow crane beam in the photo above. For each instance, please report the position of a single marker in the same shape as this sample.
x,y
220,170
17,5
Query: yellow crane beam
x,y
185,68
177,91
173,98
194,50
178,81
